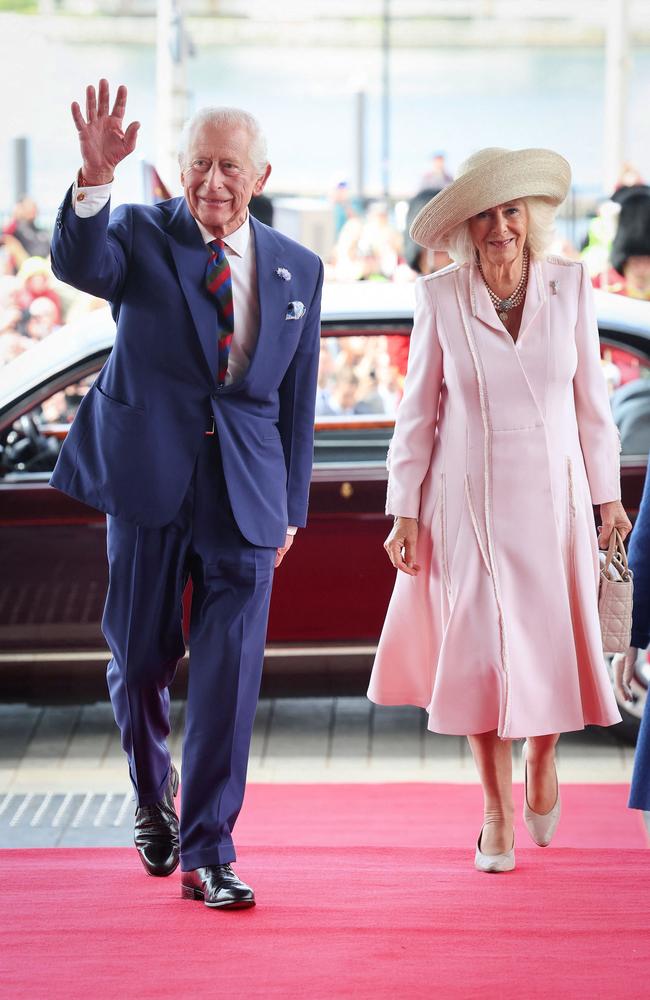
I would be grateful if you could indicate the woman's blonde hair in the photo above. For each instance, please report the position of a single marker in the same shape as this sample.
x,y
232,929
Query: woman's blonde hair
x,y
541,231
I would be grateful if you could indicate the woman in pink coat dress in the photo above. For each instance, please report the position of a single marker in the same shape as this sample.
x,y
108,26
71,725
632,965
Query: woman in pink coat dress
x,y
503,441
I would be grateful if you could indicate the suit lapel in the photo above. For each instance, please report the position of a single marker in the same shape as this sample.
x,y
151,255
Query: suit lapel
x,y
273,291
191,258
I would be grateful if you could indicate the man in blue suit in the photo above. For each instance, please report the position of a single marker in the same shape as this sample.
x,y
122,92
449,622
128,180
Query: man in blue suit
x,y
196,440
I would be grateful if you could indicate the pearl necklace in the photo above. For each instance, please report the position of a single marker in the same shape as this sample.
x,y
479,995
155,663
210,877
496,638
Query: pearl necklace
x,y
503,306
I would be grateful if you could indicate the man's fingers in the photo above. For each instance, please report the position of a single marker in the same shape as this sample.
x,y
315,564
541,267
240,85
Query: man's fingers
x,y
131,137
102,104
77,116
120,102
91,103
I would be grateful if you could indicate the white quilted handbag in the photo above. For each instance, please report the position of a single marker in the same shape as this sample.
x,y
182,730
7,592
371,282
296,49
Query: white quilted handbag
x,y
615,596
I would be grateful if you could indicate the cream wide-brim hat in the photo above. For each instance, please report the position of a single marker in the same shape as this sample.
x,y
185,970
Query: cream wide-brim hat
x,y
491,177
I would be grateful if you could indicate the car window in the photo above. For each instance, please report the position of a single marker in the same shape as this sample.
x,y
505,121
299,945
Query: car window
x,y
33,442
360,376
628,380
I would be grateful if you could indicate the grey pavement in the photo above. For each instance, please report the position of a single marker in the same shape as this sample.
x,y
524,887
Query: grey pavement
x,y
63,777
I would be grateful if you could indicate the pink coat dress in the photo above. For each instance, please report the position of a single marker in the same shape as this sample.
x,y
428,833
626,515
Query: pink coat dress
x,y
500,449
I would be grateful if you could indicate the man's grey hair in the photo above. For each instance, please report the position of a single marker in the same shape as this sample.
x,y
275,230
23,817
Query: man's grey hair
x,y
226,118
541,232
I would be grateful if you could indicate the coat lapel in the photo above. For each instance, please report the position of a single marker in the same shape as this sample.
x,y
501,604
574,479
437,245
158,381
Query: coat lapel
x,y
191,258
535,297
481,302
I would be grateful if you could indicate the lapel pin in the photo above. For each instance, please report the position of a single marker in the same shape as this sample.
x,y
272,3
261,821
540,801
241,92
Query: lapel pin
x,y
283,273
554,285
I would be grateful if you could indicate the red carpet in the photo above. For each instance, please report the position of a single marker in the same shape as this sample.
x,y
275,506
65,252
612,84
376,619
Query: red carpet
x,y
422,815
351,904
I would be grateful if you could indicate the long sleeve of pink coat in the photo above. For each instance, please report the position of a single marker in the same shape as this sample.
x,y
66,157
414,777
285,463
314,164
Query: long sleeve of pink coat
x,y
599,439
412,444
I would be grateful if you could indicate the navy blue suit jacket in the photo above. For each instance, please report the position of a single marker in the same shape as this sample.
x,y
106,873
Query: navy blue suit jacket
x,y
132,446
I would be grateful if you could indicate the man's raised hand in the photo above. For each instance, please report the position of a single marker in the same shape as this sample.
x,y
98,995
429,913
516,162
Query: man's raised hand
x,y
101,138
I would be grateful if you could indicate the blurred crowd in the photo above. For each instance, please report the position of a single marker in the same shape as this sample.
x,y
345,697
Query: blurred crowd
x,y
32,302
358,375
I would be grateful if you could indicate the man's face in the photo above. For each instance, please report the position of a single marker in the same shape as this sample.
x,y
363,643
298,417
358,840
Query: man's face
x,y
219,178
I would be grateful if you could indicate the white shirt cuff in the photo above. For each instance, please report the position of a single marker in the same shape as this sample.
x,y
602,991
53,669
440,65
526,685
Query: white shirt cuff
x,y
89,201
291,530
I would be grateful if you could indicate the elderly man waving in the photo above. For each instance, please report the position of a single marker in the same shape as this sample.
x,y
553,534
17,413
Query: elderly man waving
x,y
196,440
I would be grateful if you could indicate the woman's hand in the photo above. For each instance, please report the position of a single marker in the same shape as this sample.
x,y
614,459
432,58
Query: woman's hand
x,y
612,516
102,141
623,665
400,545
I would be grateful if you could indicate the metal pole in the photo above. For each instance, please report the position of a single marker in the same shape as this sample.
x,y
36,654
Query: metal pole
x,y
171,90
616,69
385,110
360,137
20,149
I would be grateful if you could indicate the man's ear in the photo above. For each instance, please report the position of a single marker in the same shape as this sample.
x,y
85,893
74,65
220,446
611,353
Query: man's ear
x,y
262,179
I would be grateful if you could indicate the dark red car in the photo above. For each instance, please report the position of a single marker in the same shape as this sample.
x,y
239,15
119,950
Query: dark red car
x,y
331,593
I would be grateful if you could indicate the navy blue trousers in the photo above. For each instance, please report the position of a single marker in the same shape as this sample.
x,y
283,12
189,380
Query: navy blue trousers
x,y
640,787
231,581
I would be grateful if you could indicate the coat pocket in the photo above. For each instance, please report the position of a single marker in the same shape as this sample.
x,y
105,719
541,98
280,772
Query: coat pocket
x,y
117,402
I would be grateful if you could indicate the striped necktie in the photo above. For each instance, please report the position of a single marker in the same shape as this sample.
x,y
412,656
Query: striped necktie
x,y
218,281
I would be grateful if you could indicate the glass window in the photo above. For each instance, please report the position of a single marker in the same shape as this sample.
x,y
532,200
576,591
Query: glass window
x,y
628,381
33,442
361,376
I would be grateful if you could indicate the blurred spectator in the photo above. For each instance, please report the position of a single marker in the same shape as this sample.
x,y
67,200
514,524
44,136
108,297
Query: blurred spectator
x,y
42,318
344,206
630,251
380,245
629,176
34,241
600,234
436,176
325,380
37,281
418,258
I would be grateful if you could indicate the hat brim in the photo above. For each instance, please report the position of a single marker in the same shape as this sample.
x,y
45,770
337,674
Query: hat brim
x,y
506,176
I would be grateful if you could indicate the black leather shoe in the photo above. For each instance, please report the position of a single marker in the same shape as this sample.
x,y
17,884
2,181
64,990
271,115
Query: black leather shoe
x,y
217,886
156,832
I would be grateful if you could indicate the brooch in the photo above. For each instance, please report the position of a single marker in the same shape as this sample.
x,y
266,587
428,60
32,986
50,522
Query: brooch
x,y
283,273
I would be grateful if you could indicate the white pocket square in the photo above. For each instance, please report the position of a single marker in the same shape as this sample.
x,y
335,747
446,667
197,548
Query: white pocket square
x,y
295,310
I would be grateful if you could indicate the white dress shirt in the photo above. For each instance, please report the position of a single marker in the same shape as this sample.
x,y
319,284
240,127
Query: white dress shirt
x,y
240,251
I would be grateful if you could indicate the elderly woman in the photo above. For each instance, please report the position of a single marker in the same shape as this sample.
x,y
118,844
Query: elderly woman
x,y
503,441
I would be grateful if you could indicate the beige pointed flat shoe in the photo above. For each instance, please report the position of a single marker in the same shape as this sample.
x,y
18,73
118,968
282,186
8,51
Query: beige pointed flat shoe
x,y
494,862
541,826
